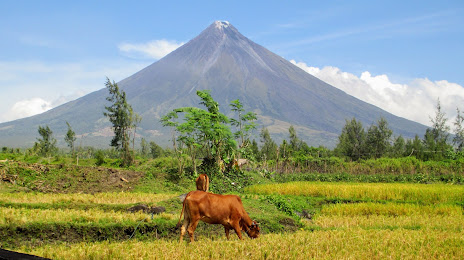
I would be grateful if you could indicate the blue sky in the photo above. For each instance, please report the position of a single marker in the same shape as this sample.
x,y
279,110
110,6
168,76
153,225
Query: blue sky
x,y
399,55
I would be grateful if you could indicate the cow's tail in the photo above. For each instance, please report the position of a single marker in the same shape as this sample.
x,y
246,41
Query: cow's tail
x,y
182,212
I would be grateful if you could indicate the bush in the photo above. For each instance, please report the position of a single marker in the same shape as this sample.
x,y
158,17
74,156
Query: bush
x,y
100,157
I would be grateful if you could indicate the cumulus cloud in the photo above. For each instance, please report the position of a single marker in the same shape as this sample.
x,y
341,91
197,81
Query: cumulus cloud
x,y
415,100
28,107
31,87
156,49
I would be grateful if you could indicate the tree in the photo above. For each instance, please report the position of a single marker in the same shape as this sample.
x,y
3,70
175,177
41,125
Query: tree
x,y
458,139
155,150
294,141
121,115
436,138
244,123
70,138
144,148
47,144
254,149
136,119
296,144
415,147
269,148
399,147
201,129
378,139
351,140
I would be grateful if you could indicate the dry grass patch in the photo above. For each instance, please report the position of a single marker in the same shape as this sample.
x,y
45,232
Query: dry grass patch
x,y
330,244
424,193
97,198
11,216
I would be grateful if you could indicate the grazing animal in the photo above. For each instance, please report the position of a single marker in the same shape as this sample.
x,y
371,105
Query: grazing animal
x,y
226,210
203,182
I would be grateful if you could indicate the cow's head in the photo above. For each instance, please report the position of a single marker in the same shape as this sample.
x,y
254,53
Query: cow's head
x,y
253,230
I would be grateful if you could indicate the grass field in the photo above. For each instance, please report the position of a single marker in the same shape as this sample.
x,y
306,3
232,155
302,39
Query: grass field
x,y
399,192
349,221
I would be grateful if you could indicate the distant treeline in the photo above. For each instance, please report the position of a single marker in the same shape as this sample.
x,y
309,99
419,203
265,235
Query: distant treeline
x,y
207,133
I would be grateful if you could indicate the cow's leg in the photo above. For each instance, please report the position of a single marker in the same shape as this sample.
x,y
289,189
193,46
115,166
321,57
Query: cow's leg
x,y
227,231
183,229
237,229
191,228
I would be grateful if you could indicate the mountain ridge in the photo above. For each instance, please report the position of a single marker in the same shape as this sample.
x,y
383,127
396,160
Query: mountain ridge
x,y
233,67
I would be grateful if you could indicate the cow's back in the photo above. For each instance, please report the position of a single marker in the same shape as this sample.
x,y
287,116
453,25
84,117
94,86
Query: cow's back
x,y
214,208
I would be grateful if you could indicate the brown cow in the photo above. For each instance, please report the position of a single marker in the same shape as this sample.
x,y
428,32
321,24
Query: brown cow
x,y
226,210
203,182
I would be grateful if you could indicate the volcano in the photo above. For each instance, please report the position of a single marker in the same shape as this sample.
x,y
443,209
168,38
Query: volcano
x,y
232,67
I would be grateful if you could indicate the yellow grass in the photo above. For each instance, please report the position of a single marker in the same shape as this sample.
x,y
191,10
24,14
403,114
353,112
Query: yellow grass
x,y
10,216
391,209
355,243
425,193
422,222
390,216
98,198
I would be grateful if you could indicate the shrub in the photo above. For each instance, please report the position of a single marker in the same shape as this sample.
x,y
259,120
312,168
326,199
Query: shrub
x,y
100,157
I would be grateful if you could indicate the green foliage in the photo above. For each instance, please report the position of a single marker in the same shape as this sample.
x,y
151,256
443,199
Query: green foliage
x,y
458,138
100,158
356,144
231,179
244,123
282,204
121,115
351,140
399,147
144,148
436,138
205,130
378,139
155,150
70,138
269,148
46,144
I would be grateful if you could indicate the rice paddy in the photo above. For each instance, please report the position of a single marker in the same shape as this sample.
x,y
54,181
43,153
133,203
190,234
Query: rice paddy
x,y
375,221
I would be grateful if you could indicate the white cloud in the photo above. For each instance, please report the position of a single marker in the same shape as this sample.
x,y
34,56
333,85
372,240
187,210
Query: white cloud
x,y
28,107
156,49
24,83
415,100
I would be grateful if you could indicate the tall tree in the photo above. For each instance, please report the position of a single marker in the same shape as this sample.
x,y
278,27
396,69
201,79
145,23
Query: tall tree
x,y
46,144
351,140
269,148
155,150
414,147
70,138
458,139
378,139
294,141
244,123
144,148
121,115
254,149
399,147
436,138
